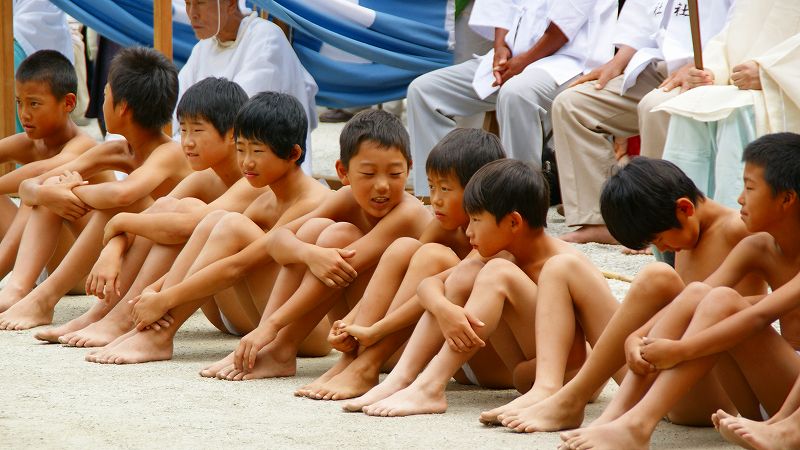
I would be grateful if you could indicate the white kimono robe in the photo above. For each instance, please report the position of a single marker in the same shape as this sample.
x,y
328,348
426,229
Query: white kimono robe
x,y
644,26
260,59
711,125
40,25
588,24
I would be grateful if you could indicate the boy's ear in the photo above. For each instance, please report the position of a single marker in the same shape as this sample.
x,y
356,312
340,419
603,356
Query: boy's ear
x,y
70,102
294,155
341,171
229,138
789,198
515,220
685,207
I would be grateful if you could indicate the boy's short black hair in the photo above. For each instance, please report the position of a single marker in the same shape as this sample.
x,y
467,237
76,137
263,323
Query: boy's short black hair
x,y
779,155
638,201
215,100
52,68
507,185
276,119
375,125
462,152
147,82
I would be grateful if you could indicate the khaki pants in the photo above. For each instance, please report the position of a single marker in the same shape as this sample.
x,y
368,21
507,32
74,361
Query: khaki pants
x,y
585,120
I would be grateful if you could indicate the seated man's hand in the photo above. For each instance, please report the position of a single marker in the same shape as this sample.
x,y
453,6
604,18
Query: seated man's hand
x,y
330,267
501,56
511,68
677,79
699,77
602,74
661,353
457,325
104,277
633,355
340,339
59,198
745,76
244,358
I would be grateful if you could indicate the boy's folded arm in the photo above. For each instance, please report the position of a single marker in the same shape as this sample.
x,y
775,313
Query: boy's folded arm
x,y
402,317
740,262
105,156
139,184
220,274
735,329
166,228
10,182
430,292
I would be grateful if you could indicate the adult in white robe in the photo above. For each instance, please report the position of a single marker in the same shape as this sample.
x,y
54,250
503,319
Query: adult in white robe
x,y
617,100
754,65
523,99
249,50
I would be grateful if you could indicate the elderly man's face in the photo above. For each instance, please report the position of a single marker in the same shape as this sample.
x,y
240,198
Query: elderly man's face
x,y
203,15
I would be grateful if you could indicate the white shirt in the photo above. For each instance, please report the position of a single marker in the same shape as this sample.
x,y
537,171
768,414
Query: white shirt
x,y
260,59
588,24
656,37
40,25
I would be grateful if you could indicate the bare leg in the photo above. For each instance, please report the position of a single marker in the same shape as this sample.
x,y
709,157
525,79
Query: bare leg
x,y
767,360
38,305
656,286
425,341
502,291
357,378
37,244
8,210
9,246
131,264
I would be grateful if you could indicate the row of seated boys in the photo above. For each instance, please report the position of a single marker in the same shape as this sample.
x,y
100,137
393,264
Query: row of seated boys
x,y
226,222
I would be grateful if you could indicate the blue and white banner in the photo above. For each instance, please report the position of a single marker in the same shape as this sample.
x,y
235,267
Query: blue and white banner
x,y
360,52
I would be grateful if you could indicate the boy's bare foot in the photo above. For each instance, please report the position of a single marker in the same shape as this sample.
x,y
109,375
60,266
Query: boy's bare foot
x,y
268,365
590,233
97,334
356,379
491,417
139,347
554,413
9,296
389,386
26,313
610,436
212,370
53,334
765,436
728,427
309,389
415,399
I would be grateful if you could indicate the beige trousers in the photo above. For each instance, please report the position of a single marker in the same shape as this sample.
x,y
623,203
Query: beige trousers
x,y
585,121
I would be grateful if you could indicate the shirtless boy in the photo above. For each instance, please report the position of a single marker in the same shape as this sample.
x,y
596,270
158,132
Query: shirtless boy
x,y
389,307
674,356
270,132
329,254
139,100
507,203
142,247
647,201
46,87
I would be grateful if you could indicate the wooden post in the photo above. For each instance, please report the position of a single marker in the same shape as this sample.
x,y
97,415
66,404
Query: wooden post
x,y
694,26
162,34
7,104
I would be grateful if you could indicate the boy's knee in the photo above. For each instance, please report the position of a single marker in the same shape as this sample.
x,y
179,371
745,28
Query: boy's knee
x,y
339,234
403,247
188,204
463,277
229,223
210,221
163,204
311,229
721,302
496,270
435,255
659,276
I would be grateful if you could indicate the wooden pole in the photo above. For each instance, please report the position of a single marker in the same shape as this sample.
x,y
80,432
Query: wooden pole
x,y
162,34
697,43
8,105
